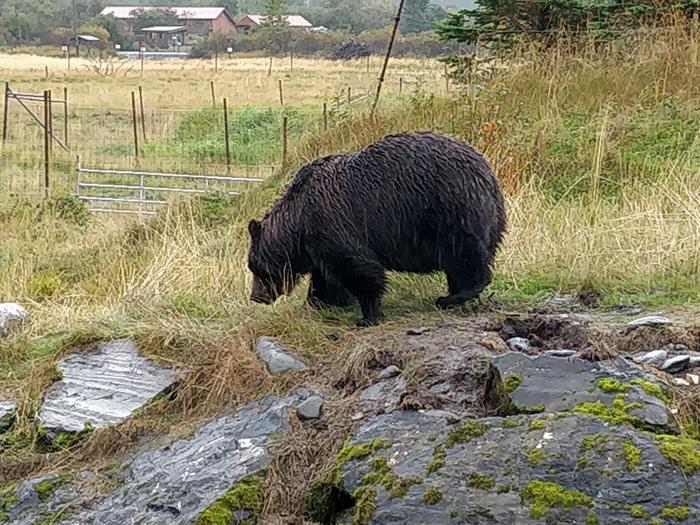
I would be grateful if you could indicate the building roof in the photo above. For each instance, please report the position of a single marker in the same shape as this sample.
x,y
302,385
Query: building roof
x,y
164,29
292,20
183,13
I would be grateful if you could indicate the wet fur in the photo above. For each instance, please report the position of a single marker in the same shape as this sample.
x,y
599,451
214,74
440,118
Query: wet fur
x,y
413,202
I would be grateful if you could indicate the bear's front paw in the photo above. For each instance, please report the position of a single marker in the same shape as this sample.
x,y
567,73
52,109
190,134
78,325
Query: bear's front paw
x,y
447,303
366,323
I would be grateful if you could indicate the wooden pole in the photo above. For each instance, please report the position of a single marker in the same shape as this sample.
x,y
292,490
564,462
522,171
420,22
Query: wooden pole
x,y
400,85
368,63
46,144
291,60
213,94
349,95
226,135
281,92
285,139
5,110
382,75
65,115
216,59
447,79
68,57
142,58
325,116
269,70
143,115
134,121
46,72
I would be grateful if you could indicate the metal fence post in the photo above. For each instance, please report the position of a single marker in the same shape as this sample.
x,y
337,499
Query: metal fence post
x,y
5,112
46,144
133,118
226,138
65,116
77,176
285,139
143,115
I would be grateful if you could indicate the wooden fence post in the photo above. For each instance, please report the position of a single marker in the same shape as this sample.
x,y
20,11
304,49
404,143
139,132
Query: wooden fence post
x,y
47,147
291,60
134,121
269,70
325,116
5,112
46,72
400,85
50,120
226,136
285,139
65,116
447,79
349,95
143,115
281,93
213,94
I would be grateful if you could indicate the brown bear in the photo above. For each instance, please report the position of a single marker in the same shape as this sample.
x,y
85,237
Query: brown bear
x,y
412,202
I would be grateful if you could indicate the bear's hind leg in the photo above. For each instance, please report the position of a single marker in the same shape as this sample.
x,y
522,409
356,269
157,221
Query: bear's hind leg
x,y
466,279
326,292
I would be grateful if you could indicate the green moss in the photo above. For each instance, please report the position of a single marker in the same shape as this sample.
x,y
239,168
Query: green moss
x,y
465,432
44,489
656,521
535,457
651,388
365,505
534,409
681,451
438,460
512,382
675,513
637,511
618,413
595,442
632,455
612,386
543,495
381,474
8,497
246,495
503,489
480,481
432,496
536,424
592,519
360,450
510,422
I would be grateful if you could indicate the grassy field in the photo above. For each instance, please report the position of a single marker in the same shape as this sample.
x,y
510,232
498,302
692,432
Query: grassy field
x,y
597,148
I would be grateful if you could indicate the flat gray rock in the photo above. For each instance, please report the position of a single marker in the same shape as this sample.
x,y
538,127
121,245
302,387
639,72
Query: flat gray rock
x,y
383,396
560,353
102,388
175,483
277,359
484,478
549,384
7,414
311,408
12,316
650,320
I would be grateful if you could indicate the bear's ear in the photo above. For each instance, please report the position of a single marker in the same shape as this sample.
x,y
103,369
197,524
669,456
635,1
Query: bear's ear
x,y
254,229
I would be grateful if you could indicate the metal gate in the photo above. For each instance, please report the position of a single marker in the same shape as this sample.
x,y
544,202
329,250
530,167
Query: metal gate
x,y
141,192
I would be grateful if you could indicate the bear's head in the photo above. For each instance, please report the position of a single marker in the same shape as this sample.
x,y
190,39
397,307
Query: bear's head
x,y
272,271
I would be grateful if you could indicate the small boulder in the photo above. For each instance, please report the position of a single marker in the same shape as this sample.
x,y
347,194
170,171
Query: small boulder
x,y
560,353
657,357
518,344
7,414
676,364
389,372
311,408
12,316
277,359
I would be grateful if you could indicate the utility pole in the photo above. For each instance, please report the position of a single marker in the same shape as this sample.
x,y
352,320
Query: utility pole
x,y
75,30
382,75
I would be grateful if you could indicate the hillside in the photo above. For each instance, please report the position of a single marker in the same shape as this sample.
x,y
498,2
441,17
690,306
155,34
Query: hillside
x,y
142,381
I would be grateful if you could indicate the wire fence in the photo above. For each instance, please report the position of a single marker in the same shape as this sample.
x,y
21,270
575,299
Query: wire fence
x,y
211,141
